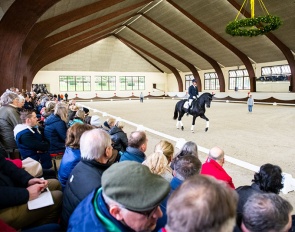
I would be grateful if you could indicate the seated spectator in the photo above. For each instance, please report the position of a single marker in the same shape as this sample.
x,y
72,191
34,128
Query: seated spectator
x,y
158,162
17,187
108,124
56,129
47,110
78,118
184,167
266,213
95,121
137,145
9,118
29,105
72,153
119,137
189,148
128,201
72,111
96,150
213,166
268,180
201,203
31,141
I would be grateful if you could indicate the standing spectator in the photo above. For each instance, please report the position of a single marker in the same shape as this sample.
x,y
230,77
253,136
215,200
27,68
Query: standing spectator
x,y
58,97
30,141
266,212
250,103
72,153
96,150
61,97
128,201
137,145
193,94
9,118
66,96
268,180
213,166
201,203
56,129
17,187
158,162
141,97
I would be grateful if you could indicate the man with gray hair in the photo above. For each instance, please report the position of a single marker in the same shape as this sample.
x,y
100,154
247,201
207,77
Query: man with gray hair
x,y
96,151
213,166
9,118
266,212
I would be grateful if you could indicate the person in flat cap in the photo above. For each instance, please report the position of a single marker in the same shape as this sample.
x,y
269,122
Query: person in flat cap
x,y
193,94
127,201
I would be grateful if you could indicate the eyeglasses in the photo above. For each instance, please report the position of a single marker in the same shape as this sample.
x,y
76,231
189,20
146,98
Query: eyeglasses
x,y
148,213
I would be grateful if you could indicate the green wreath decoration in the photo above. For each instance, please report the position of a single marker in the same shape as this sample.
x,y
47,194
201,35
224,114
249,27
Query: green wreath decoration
x,y
239,27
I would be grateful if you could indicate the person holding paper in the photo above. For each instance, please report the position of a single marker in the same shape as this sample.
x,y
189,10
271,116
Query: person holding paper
x,y
17,187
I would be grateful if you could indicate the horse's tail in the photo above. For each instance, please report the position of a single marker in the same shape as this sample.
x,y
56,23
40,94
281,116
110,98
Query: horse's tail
x,y
175,112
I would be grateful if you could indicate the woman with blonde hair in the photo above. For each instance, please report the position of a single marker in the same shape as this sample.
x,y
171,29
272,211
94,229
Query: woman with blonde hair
x,y
158,162
56,129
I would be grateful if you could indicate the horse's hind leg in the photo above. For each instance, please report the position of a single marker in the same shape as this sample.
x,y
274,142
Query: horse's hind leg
x,y
193,124
207,122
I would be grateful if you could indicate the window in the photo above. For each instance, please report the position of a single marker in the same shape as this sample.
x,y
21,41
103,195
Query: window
x,y
105,83
211,81
132,83
74,83
239,79
275,73
188,80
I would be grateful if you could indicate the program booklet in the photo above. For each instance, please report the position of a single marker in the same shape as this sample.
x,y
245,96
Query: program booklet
x,y
45,199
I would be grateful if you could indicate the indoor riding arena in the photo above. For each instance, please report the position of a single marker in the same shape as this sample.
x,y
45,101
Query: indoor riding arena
x,y
264,136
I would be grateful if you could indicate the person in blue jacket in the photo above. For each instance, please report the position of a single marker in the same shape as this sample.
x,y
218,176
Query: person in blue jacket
x,y
127,201
31,141
137,145
56,129
72,154
193,94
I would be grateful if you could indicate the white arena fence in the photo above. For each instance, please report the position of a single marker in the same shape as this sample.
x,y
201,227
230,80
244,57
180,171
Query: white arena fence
x,y
288,181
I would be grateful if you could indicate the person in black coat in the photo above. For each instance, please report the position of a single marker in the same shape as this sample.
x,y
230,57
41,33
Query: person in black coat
x,y
96,150
119,137
17,187
267,180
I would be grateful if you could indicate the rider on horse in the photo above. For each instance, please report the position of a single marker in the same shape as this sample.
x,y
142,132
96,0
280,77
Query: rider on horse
x,y
193,94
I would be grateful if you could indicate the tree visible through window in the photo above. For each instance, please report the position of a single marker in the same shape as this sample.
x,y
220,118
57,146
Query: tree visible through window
x,y
132,82
105,83
211,81
74,83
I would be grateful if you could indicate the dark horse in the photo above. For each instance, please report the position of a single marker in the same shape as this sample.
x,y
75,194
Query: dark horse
x,y
197,109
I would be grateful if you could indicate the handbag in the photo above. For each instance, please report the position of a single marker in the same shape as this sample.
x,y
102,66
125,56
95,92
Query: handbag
x,y
33,167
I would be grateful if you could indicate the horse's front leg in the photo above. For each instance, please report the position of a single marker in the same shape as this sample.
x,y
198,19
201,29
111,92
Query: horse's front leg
x,y
193,124
207,122
179,122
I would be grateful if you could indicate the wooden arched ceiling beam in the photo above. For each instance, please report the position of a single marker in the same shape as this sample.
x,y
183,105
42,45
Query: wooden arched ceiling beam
x,y
213,62
50,40
174,70
61,50
14,28
246,61
175,56
41,29
65,41
284,49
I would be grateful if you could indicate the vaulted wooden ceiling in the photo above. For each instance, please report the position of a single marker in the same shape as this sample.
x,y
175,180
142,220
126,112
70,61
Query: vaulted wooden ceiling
x,y
172,35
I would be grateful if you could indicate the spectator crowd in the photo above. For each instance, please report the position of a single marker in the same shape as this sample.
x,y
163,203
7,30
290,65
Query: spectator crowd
x,y
107,182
